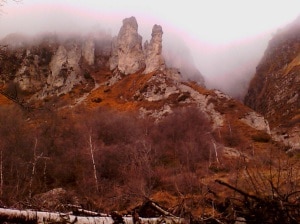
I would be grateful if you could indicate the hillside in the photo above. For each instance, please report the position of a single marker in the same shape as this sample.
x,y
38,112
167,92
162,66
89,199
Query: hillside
x,y
274,90
109,121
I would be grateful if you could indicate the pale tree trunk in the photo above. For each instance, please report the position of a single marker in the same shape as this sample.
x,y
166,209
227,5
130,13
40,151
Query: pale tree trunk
x,y
35,158
216,151
92,150
29,216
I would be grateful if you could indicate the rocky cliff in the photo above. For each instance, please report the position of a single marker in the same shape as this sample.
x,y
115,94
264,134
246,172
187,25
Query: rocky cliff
x,y
153,51
69,82
49,66
130,56
275,89
127,53
99,71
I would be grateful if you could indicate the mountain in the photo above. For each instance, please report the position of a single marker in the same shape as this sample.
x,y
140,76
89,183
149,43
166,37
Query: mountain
x,y
115,124
98,70
274,91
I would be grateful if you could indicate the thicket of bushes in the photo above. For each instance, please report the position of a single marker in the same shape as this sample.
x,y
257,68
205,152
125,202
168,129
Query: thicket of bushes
x,y
109,158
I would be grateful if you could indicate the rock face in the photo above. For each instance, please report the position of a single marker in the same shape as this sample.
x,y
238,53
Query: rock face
x,y
274,91
129,56
256,121
54,65
166,87
64,70
127,53
153,51
51,66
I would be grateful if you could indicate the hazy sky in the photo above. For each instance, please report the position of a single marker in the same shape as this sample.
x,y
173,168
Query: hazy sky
x,y
221,34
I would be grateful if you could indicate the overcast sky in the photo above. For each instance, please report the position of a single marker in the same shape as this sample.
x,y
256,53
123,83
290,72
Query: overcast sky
x,y
221,34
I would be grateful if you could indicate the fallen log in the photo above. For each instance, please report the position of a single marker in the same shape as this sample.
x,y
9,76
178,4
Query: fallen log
x,y
166,213
29,216
39,217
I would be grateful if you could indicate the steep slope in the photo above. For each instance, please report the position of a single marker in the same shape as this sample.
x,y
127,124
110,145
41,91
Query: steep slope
x,y
158,94
77,77
274,91
99,71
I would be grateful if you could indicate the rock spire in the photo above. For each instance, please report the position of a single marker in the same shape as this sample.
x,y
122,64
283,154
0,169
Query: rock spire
x,y
127,52
153,51
128,55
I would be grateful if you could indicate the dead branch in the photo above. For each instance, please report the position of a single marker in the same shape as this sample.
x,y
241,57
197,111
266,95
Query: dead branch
x,y
239,191
166,213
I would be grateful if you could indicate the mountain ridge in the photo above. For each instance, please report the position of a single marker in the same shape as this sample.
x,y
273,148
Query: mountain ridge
x,y
274,91
68,84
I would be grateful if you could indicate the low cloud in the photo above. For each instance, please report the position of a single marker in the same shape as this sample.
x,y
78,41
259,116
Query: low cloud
x,y
225,67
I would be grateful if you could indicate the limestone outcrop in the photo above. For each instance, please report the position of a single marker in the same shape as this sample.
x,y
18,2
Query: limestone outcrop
x,y
52,65
127,52
256,121
129,56
64,70
274,90
153,51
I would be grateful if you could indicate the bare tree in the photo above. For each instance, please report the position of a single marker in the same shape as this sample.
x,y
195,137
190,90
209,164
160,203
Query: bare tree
x,y
92,153
267,194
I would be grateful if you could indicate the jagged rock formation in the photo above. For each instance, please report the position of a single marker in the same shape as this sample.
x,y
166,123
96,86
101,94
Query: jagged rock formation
x,y
49,66
88,74
274,91
129,56
52,66
55,67
158,94
161,87
64,69
127,53
153,51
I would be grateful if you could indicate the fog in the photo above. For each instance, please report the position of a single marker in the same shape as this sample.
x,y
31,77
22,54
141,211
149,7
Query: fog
x,y
223,50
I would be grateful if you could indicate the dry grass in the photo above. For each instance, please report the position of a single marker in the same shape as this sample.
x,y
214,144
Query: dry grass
x,y
4,100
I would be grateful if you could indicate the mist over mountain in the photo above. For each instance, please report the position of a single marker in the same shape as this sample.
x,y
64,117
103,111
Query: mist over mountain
x,y
108,121
178,55
228,68
274,90
232,74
